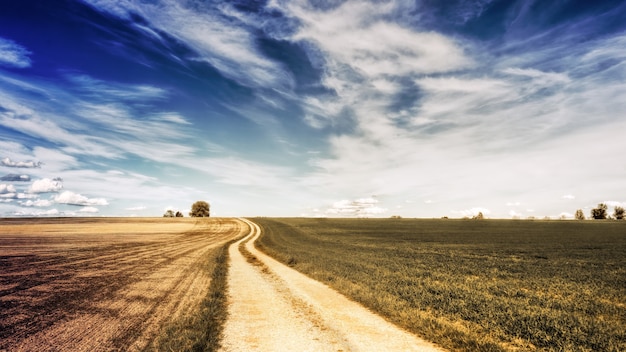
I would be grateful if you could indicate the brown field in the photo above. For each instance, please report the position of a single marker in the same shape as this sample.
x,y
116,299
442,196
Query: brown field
x,y
104,284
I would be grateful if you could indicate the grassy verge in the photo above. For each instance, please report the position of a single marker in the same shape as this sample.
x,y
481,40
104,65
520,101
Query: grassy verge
x,y
472,285
202,329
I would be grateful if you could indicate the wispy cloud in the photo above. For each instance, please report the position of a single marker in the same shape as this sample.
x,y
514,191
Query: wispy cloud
x,y
114,92
49,212
37,203
13,54
216,36
362,207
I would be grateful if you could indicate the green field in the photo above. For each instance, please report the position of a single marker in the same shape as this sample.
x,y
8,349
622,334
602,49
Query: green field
x,y
488,285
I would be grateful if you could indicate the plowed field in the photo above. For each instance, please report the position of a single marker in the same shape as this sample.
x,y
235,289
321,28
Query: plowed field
x,y
102,284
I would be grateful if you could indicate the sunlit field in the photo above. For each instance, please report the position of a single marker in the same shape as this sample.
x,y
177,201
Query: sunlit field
x,y
491,285
127,284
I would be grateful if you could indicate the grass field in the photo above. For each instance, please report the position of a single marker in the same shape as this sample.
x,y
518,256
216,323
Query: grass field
x,y
489,285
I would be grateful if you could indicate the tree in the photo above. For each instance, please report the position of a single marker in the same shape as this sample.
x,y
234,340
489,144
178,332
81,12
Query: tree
x,y
618,213
169,214
579,215
479,216
200,209
179,214
599,213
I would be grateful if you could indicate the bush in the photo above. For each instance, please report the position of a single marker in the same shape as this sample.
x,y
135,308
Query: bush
x,y
200,209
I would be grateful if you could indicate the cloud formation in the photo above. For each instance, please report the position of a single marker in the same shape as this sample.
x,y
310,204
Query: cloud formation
x,y
71,198
15,178
6,189
217,37
46,185
464,103
49,212
89,210
20,164
363,207
37,203
13,54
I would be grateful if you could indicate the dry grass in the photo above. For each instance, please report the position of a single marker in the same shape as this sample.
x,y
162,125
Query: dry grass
x,y
472,285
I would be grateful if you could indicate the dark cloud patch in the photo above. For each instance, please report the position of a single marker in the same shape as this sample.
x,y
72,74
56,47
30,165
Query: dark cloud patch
x,y
15,178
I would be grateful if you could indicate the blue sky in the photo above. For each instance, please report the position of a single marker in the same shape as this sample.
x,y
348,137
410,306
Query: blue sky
x,y
314,108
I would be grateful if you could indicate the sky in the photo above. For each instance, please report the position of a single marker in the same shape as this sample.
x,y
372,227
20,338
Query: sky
x,y
351,108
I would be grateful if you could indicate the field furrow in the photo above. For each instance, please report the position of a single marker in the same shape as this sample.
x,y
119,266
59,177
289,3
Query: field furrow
x,y
102,285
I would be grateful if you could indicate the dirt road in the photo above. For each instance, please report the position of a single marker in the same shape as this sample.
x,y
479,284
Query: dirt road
x,y
101,285
275,308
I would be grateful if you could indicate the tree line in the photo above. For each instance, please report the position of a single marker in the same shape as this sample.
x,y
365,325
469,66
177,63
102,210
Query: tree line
x,y
601,212
199,209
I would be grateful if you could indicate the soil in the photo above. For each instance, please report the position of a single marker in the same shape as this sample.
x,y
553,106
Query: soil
x,y
275,308
101,284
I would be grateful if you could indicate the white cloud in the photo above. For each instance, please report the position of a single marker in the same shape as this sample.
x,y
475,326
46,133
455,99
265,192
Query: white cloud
x,y
46,185
566,215
473,211
6,188
21,164
568,197
88,210
141,207
13,54
613,203
51,212
71,198
356,34
362,207
21,195
36,203
514,214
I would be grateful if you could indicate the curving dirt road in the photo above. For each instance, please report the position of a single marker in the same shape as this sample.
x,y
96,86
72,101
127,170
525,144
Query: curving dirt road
x,y
102,285
275,308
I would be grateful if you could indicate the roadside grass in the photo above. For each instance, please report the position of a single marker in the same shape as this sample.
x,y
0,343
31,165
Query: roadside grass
x,y
202,328
492,285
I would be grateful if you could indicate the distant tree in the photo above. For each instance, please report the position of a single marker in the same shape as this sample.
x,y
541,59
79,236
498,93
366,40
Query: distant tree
x,y
479,216
200,209
179,214
579,215
169,214
599,213
618,213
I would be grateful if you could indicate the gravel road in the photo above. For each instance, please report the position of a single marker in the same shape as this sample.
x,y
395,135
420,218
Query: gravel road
x,y
275,308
